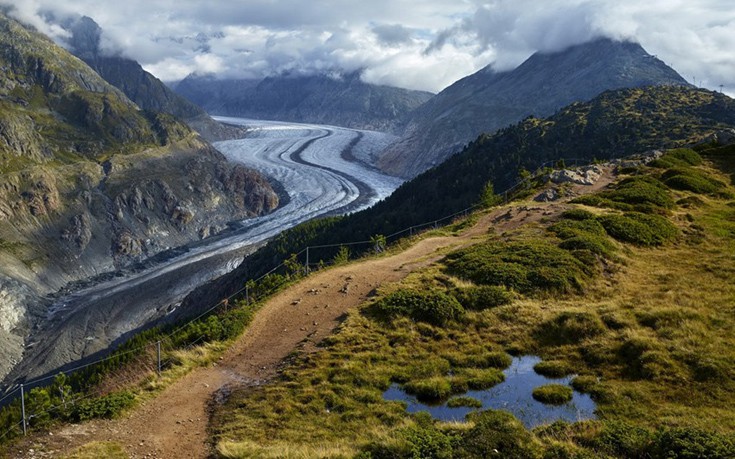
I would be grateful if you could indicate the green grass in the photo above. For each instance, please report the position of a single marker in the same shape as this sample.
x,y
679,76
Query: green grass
x,y
649,337
468,402
553,394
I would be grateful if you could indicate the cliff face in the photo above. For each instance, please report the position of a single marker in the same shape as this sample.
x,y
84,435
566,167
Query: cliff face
x,y
89,183
487,100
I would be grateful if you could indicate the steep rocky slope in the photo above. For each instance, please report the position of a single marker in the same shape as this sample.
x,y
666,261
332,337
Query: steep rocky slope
x,y
343,100
487,100
147,91
90,183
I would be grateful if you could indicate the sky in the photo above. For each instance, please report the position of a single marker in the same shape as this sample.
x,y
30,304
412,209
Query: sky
x,y
415,44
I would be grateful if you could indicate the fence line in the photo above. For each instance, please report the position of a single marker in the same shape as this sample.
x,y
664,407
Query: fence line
x,y
159,364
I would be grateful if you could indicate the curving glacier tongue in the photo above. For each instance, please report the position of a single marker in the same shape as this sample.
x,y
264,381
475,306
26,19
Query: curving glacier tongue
x,y
322,169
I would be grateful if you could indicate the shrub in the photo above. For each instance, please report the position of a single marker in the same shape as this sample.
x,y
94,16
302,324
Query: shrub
x,y
577,214
623,440
566,229
639,229
644,192
108,406
691,443
496,434
469,402
552,369
690,179
524,266
434,307
482,297
570,327
677,157
553,394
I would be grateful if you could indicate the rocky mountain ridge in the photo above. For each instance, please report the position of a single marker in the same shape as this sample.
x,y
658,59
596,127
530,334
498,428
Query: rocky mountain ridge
x,y
147,91
341,100
488,100
89,183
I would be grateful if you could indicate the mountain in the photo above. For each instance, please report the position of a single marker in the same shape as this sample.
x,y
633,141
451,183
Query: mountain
x,y
613,125
487,100
342,100
147,91
89,183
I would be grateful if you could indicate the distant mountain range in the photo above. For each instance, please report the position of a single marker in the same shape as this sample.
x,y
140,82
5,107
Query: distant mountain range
x,y
147,91
487,100
343,100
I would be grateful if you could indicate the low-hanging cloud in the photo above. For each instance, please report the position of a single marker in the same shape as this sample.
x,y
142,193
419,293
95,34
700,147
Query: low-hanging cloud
x,y
421,45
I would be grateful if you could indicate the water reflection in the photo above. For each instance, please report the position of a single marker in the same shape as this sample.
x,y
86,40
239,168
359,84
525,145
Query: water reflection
x,y
514,395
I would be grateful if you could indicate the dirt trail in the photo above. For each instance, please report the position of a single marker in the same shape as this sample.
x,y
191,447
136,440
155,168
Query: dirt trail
x,y
174,424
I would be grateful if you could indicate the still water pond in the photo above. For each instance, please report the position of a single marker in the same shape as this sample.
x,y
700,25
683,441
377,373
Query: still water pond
x,y
514,395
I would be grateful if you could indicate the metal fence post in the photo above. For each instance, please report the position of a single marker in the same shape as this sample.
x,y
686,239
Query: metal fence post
x,y
158,356
307,261
23,409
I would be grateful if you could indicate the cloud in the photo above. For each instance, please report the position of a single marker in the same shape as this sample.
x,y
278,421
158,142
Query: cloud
x,y
392,34
422,45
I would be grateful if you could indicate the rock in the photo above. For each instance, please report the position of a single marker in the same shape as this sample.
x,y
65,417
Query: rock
x,y
587,175
550,194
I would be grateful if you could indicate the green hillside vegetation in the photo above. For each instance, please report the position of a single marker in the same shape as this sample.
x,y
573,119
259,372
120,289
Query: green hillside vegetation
x,y
615,124
54,109
646,323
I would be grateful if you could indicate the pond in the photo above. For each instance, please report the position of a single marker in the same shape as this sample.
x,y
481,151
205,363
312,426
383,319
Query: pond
x,y
513,395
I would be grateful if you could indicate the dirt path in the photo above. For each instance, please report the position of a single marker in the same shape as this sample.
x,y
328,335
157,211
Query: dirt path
x,y
174,424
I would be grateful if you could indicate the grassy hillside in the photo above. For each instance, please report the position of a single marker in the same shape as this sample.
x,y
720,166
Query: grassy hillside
x,y
630,291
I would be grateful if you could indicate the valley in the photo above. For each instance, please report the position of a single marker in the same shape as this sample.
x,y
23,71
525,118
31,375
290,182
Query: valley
x,y
323,170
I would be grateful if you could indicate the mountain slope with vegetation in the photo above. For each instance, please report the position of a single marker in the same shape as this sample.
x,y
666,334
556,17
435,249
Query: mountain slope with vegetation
x,y
615,124
487,100
147,91
632,296
91,183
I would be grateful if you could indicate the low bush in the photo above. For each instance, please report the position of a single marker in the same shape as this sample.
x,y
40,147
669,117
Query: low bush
x,y
640,229
496,434
640,192
690,179
482,297
677,157
434,307
527,267
577,214
553,394
692,443
107,407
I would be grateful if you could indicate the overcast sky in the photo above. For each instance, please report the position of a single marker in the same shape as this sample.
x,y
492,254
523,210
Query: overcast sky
x,y
417,44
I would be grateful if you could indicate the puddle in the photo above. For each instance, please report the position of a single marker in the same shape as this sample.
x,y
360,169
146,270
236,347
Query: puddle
x,y
513,395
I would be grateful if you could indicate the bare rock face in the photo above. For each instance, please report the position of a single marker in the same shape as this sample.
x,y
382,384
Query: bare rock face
x,y
587,175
